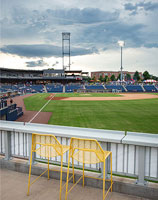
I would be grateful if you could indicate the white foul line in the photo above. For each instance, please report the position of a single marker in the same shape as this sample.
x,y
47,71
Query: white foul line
x,y
42,108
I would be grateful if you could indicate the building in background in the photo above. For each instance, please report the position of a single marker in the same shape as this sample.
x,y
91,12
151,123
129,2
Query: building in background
x,y
97,74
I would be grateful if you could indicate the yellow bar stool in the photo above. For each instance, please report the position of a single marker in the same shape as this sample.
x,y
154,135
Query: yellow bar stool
x,y
46,146
87,151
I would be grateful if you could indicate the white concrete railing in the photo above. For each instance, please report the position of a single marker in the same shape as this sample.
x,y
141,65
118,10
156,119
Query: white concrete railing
x,y
133,154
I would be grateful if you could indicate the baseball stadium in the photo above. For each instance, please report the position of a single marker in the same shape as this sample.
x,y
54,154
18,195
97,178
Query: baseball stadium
x,y
51,97
123,118
72,127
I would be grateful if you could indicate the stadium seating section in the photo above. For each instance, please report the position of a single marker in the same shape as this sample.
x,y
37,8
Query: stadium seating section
x,y
68,88
94,87
115,87
134,88
150,88
72,87
54,88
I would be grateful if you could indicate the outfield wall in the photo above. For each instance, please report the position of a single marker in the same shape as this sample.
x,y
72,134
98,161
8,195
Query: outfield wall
x,y
133,154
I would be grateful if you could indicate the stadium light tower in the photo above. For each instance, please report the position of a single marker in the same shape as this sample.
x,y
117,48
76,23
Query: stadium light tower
x,y
121,44
66,50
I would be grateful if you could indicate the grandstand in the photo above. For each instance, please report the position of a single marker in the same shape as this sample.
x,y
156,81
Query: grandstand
x,y
9,112
54,88
94,87
17,82
134,88
18,76
73,87
150,88
116,88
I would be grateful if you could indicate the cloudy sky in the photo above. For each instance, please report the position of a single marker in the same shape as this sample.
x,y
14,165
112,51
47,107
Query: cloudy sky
x,y
31,34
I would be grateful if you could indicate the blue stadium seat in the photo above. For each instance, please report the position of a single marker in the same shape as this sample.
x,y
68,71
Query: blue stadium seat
x,y
72,87
54,88
150,88
134,88
115,87
94,87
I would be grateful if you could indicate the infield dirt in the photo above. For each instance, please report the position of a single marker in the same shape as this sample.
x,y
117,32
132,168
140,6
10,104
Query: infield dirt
x,y
129,96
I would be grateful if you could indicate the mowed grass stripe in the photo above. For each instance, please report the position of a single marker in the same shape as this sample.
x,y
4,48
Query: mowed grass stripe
x,y
130,115
87,95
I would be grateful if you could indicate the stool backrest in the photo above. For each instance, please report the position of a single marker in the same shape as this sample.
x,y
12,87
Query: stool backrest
x,y
46,145
86,150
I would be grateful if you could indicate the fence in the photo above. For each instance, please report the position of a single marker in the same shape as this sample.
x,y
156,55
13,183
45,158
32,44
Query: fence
x,y
133,154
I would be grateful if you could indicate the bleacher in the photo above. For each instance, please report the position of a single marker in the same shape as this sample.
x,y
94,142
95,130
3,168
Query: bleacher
x,y
9,112
72,87
36,88
115,87
6,88
134,88
150,88
54,88
94,87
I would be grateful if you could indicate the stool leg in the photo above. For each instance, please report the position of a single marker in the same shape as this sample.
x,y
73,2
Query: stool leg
x,y
73,171
48,168
83,174
104,180
111,170
61,175
28,191
67,182
83,168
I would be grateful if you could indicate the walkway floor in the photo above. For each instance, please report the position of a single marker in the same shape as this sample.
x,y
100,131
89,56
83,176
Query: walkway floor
x,y
13,186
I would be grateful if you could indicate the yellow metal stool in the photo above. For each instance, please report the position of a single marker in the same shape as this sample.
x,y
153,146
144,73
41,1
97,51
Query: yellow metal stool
x,y
46,146
87,151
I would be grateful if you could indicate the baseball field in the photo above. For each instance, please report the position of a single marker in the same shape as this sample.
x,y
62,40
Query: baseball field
x,y
137,115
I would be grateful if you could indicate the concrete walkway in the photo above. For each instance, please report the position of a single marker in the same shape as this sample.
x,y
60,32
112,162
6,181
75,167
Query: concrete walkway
x,y
13,186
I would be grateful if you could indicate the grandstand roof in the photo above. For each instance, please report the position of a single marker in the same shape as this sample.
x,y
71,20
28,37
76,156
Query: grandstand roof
x,y
53,71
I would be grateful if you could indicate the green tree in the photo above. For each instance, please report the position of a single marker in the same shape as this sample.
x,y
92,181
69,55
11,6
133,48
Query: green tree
x,y
146,75
155,78
101,78
113,78
94,78
119,77
87,78
106,78
136,76
128,77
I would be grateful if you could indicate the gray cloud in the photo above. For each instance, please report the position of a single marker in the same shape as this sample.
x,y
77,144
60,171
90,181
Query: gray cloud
x,y
38,63
147,6
151,45
92,30
42,50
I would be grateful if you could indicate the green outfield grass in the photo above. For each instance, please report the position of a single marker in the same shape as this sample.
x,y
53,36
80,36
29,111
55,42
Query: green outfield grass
x,y
87,95
131,115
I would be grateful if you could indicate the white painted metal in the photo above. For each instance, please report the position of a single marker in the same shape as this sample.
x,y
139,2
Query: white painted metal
x,y
125,149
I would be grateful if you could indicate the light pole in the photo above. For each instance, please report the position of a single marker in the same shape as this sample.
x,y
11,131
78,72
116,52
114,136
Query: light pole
x,y
121,44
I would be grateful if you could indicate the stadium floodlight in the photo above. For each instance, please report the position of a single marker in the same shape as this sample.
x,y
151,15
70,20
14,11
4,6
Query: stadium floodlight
x,y
121,44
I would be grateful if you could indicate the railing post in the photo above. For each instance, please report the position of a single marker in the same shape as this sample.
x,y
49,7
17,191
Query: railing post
x,y
104,146
33,153
141,166
7,145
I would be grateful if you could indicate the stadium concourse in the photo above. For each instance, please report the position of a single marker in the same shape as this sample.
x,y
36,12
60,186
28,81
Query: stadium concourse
x,y
16,184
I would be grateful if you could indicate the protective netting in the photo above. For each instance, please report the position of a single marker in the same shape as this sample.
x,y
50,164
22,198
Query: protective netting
x,y
47,146
87,151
